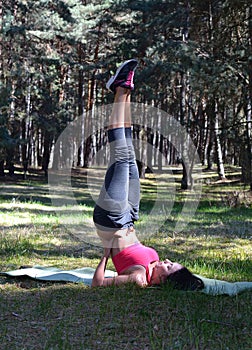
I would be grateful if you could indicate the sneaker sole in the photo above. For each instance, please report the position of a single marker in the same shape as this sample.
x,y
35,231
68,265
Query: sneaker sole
x,y
113,78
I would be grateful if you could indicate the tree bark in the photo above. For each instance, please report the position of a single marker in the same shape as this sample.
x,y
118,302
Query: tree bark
x,y
219,156
248,125
46,153
2,168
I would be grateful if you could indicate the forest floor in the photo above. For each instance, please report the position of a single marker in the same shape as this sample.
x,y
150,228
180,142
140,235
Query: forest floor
x,y
49,223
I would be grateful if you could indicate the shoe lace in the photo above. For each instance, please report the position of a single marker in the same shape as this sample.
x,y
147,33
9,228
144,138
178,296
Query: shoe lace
x,y
130,76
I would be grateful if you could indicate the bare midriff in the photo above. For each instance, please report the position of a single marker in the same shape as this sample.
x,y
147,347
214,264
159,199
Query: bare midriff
x,y
118,240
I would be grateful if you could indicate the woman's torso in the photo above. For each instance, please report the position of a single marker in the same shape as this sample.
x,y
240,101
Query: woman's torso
x,y
135,258
128,254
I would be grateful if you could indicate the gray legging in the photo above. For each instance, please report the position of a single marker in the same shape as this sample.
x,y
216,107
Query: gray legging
x,y
118,204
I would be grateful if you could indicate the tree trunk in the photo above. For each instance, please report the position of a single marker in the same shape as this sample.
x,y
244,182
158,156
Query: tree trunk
x,y
187,162
219,156
24,147
248,127
81,109
150,139
46,153
140,149
2,168
210,140
90,107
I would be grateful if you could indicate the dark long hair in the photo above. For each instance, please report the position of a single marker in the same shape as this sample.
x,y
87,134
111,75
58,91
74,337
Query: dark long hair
x,y
183,279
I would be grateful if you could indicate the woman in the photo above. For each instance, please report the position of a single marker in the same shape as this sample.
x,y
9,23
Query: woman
x,y
118,205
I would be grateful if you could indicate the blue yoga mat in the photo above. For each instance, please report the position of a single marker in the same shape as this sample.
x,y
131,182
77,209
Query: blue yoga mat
x,y
85,275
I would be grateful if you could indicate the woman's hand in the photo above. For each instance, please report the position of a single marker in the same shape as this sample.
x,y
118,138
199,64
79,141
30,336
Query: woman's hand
x,y
107,252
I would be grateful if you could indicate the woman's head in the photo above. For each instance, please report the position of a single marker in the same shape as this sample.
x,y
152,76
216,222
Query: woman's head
x,y
178,275
183,279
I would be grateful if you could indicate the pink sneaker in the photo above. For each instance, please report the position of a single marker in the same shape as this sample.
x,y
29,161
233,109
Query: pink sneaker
x,y
124,76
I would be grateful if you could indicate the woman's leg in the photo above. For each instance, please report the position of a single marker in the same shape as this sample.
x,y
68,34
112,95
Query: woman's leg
x,y
117,118
122,178
134,183
114,208
112,203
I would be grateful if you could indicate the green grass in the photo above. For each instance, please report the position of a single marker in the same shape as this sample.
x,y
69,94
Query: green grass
x,y
215,243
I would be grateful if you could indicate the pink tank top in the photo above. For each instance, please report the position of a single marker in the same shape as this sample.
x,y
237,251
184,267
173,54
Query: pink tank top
x,y
136,254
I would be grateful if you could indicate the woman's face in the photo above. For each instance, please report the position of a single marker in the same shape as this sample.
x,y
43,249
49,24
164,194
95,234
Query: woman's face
x,y
163,269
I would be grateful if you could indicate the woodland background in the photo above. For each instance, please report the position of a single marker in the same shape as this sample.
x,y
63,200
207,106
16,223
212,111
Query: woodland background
x,y
195,63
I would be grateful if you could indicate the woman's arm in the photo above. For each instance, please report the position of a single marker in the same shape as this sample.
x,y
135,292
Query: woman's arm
x,y
121,279
99,279
100,270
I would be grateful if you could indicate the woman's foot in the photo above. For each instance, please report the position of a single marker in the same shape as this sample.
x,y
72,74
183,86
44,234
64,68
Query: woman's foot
x,y
124,76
